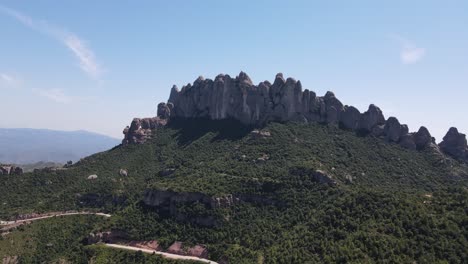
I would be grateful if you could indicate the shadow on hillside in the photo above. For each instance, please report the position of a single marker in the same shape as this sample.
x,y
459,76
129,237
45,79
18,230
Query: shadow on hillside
x,y
192,129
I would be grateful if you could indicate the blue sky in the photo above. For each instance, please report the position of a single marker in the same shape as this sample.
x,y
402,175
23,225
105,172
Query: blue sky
x,y
95,65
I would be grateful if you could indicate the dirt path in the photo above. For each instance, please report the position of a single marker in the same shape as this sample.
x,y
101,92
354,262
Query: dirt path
x,y
163,254
6,224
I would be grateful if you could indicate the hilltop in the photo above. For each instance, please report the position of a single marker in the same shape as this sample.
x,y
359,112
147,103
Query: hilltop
x,y
265,186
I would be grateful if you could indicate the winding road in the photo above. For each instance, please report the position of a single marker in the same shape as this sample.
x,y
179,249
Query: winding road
x,y
6,225
163,254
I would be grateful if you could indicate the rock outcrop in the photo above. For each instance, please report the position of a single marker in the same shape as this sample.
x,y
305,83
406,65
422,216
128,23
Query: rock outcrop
x,y
123,172
10,170
318,176
423,138
283,100
107,237
455,144
199,251
141,130
167,201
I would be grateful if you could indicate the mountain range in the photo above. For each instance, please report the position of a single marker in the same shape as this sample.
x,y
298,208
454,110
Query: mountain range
x,y
26,145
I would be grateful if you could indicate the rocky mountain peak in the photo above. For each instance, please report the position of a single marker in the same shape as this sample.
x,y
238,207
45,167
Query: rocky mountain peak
x,y
284,100
455,144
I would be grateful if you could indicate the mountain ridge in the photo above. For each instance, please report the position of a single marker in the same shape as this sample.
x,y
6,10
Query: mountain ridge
x,y
29,145
285,100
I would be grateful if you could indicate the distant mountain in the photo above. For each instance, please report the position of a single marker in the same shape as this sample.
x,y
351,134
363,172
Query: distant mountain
x,y
25,145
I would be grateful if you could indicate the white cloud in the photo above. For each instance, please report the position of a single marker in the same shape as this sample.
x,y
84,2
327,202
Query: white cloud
x,y
409,53
412,55
8,80
85,56
56,95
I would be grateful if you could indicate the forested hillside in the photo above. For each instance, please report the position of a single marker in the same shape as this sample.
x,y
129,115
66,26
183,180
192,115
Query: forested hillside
x,y
255,196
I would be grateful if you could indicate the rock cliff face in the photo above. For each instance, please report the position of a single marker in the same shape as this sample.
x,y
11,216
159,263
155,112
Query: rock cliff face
x,y
455,145
169,202
284,100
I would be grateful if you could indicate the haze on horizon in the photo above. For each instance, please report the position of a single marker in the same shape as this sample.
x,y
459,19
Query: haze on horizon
x,y
95,66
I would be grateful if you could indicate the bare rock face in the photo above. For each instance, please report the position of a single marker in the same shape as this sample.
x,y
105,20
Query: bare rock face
x,y
371,118
141,130
455,144
378,131
407,141
322,177
423,138
238,98
350,117
164,110
393,129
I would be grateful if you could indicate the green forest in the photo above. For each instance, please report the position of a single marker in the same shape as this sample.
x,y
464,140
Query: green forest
x,y
389,204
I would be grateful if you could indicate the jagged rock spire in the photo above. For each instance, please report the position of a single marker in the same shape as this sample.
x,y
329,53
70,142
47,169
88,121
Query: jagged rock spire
x,y
455,144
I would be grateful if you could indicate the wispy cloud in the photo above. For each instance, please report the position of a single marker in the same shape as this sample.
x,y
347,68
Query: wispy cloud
x,y
409,53
9,80
60,96
83,53
56,95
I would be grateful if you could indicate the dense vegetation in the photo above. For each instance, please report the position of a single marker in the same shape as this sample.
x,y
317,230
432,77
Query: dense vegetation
x,y
390,204
62,240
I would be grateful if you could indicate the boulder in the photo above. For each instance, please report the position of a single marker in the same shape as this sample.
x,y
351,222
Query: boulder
x,y
92,177
455,145
123,172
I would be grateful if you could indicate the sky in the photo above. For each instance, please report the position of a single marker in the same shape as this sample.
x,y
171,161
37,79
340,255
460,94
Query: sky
x,y
95,65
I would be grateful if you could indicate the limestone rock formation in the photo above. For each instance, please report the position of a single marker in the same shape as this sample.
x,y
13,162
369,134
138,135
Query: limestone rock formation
x,y
281,101
141,129
10,170
350,117
455,144
164,110
423,138
371,118
407,141
392,129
